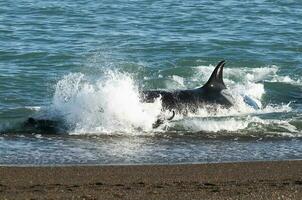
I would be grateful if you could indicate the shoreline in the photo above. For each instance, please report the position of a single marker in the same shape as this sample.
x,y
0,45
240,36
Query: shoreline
x,y
237,180
144,164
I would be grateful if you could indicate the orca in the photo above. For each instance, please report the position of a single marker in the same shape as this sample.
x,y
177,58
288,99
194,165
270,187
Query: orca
x,y
185,101
45,126
212,93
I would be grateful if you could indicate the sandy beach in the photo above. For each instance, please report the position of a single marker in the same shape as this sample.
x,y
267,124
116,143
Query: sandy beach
x,y
248,180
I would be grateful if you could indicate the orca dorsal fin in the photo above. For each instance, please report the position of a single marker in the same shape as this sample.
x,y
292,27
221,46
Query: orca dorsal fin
x,y
215,82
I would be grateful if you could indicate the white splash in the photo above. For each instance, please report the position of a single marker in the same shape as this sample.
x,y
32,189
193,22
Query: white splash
x,y
108,105
111,104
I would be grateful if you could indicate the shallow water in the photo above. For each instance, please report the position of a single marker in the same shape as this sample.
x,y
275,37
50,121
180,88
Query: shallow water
x,y
83,64
56,150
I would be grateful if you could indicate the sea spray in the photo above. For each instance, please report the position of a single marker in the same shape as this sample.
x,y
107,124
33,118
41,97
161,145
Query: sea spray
x,y
110,104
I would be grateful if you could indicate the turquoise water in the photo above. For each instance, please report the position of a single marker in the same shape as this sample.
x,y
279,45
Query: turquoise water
x,y
66,61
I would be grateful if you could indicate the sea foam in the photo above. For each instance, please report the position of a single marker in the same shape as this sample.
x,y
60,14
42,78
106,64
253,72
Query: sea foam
x,y
111,104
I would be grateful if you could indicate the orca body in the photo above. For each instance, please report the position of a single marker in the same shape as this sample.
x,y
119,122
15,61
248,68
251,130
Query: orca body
x,y
44,126
183,101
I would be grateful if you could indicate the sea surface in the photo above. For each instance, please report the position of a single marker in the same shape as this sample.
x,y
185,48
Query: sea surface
x,y
81,64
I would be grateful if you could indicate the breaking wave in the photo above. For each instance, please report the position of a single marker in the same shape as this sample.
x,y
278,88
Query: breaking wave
x,y
110,104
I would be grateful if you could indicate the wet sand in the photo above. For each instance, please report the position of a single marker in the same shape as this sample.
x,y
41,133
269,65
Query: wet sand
x,y
249,180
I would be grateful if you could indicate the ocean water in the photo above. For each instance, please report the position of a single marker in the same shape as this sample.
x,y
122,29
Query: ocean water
x,y
82,65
